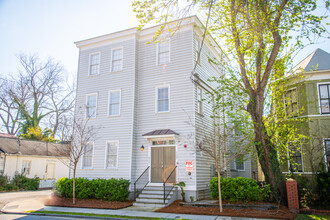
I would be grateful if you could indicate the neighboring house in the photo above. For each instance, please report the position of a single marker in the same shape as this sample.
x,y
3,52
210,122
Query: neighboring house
x,y
149,108
309,98
32,158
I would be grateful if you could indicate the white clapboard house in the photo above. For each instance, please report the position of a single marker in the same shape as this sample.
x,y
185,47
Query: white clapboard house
x,y
148,109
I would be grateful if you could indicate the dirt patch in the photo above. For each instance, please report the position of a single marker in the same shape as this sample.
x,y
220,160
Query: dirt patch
x,y
281,213
86,203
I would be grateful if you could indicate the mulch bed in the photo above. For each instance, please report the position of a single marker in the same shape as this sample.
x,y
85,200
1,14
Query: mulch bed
x,y
281,213
86,203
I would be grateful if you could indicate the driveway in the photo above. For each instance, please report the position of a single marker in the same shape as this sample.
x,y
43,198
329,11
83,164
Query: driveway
x,y
23,201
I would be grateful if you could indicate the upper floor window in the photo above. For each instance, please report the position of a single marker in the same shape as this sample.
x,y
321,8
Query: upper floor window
x,y
291,103
324,91
94,64
112,154
327,153
295,159
88,156
163,52
91,106
199,100
117,59
114,103
197,47
163,100
26,167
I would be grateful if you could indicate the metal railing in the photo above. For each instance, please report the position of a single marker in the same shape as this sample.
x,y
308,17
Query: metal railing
x,y
165,196
144,176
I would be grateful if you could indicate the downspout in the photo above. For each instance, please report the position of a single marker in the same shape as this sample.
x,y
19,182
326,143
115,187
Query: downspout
x,y
18,152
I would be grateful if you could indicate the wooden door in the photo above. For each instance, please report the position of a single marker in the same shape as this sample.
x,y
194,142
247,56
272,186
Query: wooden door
x,y
50,171
162,164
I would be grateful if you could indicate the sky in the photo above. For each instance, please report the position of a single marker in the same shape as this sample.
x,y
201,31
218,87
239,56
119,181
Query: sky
x,y
49,28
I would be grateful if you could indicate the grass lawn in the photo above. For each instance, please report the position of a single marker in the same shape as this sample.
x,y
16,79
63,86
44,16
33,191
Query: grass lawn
x,y
308,217
97,215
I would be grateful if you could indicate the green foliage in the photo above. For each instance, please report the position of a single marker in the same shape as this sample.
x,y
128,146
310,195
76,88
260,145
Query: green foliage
x,y
323,187
3,180
35,133
239,189
182,185
109,190
24,183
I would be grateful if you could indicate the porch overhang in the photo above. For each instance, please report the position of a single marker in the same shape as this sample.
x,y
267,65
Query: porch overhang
x,y
160,134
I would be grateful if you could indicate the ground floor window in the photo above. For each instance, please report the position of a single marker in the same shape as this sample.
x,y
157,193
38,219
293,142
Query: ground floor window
x,y
26,167
295,159
327,153
239,163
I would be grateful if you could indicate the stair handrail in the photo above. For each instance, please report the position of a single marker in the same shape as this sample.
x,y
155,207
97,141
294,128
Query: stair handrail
x,y
136,194
165,196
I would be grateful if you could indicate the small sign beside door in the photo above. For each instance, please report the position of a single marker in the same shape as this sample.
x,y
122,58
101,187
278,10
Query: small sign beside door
x,y
189,166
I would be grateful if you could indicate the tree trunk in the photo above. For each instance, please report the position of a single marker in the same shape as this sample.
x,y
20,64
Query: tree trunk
x,y
267,152
74,186
219,189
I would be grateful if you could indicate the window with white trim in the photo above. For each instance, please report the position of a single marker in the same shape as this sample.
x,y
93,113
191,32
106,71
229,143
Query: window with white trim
x,y
163,101
295,159
112,154
291,102
324,91
117,60
26,167
114,103
163,52
88,156
94,64
327,154
239,163
199,100
197,47
91,103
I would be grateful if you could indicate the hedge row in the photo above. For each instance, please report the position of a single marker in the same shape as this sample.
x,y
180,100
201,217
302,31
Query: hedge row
x,y
19,182
109,190
239,189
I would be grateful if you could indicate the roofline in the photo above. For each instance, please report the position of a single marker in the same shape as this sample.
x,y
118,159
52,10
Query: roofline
x,y
304,58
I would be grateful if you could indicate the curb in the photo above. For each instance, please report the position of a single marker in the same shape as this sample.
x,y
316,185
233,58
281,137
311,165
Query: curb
x,y
70,216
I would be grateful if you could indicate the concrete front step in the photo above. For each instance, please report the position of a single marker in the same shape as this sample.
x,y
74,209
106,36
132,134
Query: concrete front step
x,y
152,200
149,192
144,204
154,196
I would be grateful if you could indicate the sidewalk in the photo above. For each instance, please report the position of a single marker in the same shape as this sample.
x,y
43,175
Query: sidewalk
x,y
24,206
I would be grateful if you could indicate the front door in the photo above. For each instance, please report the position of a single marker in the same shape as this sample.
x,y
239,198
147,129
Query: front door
x,y
162,164
50,170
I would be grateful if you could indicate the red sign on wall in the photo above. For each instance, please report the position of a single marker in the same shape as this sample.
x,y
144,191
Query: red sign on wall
x,y
189,166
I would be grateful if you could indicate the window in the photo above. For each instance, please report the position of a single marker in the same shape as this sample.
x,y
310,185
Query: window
x,y
91,106
112,154
117,60
295,159
163,52
26,167
2,162
94,64
88,156
327,153
239,163
114,103
163,101
324,91
197,47
199,100
291,103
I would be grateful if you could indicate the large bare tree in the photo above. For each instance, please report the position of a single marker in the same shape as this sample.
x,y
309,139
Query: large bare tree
x,y
38,92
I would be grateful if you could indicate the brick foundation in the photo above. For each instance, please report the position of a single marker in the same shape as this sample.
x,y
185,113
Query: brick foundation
x,y
292,192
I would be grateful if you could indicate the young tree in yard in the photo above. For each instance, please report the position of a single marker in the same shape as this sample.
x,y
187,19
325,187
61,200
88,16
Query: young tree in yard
x,y
257,34
79,144
37,93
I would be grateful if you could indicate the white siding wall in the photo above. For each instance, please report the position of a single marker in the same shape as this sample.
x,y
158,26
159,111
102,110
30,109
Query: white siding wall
x,y
109,128
14,163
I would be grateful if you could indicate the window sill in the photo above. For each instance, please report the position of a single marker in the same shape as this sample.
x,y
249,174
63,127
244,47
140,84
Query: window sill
x,y
113,116
162,112
87,168
94,75
117,71
111,168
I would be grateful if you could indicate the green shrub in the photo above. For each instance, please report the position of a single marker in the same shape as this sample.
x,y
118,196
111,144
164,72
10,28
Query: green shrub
x,y
24,183
109,190
239,189
3,180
